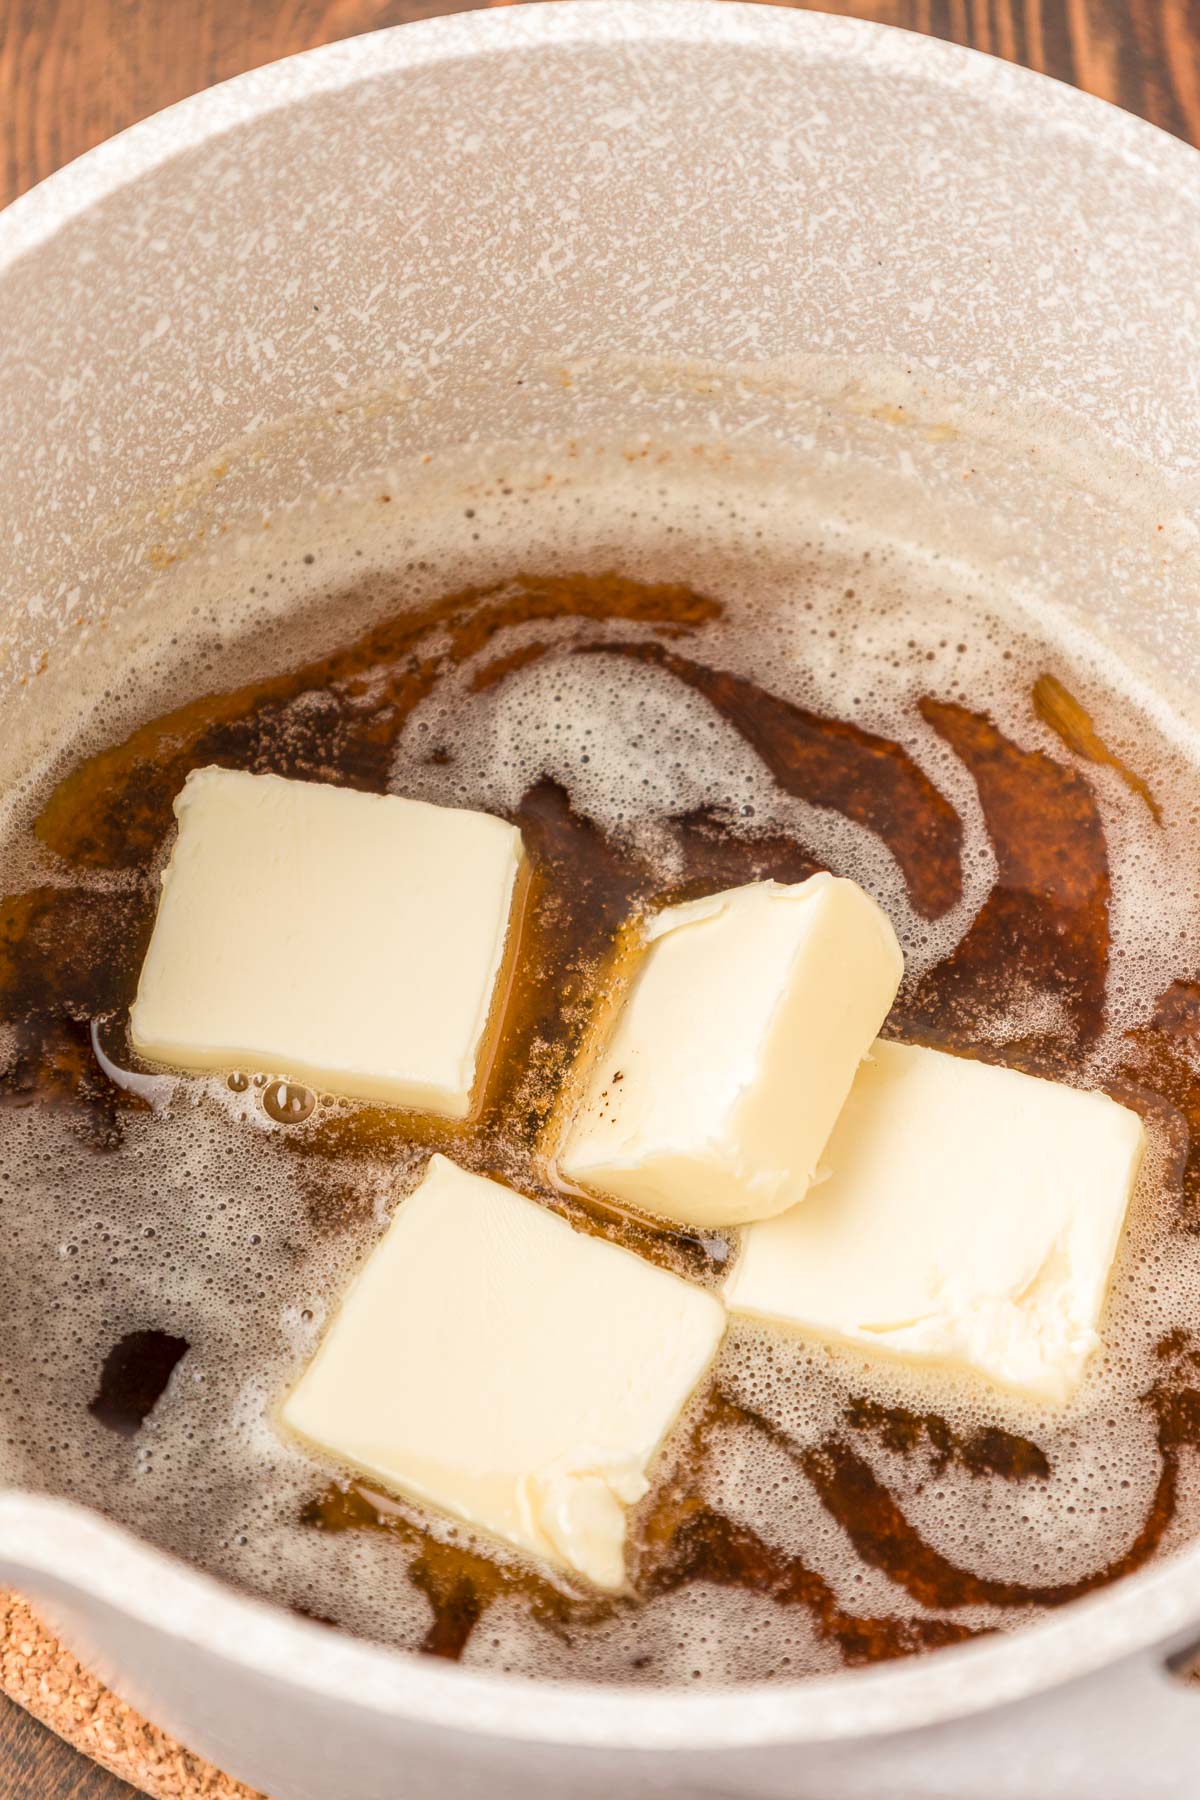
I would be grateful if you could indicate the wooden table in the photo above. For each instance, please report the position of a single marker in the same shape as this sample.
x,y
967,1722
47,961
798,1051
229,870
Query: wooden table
x,y
72,72
36,1765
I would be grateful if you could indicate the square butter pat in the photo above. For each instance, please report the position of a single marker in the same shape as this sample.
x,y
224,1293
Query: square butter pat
x,y
520,1374
352,941
714,1093
970,1218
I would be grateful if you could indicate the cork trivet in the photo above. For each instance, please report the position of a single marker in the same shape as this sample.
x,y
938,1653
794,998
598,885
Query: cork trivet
x,y
46,1680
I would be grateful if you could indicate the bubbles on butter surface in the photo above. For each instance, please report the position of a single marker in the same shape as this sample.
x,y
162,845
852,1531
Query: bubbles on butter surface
x,y
232,1253
564,718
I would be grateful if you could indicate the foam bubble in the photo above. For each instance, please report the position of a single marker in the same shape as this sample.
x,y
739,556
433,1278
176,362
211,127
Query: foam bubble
x,y
204,1223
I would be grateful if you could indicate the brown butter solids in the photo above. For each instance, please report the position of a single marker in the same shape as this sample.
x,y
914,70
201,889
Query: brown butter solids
x,y
69,955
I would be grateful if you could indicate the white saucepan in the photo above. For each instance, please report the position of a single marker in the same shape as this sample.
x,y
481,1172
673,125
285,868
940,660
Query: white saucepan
x,y
951,285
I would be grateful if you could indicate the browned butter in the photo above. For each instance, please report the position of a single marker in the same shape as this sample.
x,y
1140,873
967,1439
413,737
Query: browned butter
x,y
815,1512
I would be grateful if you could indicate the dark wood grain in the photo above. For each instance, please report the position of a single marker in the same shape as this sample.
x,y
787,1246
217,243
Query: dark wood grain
x,y
36,1765
72,72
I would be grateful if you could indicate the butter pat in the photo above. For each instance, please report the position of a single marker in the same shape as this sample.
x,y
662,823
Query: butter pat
x,y
520,1374
970,1218
714,1093
351,941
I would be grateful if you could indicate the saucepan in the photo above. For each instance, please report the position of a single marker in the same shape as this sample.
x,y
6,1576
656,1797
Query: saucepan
x,y
943,287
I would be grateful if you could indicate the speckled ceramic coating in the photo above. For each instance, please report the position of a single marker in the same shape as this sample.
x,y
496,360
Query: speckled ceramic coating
x,y
433,214
913,266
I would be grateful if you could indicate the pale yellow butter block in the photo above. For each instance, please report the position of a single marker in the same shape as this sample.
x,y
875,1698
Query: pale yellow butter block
x,y
970,1218
515,1372
732,1052
352,941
